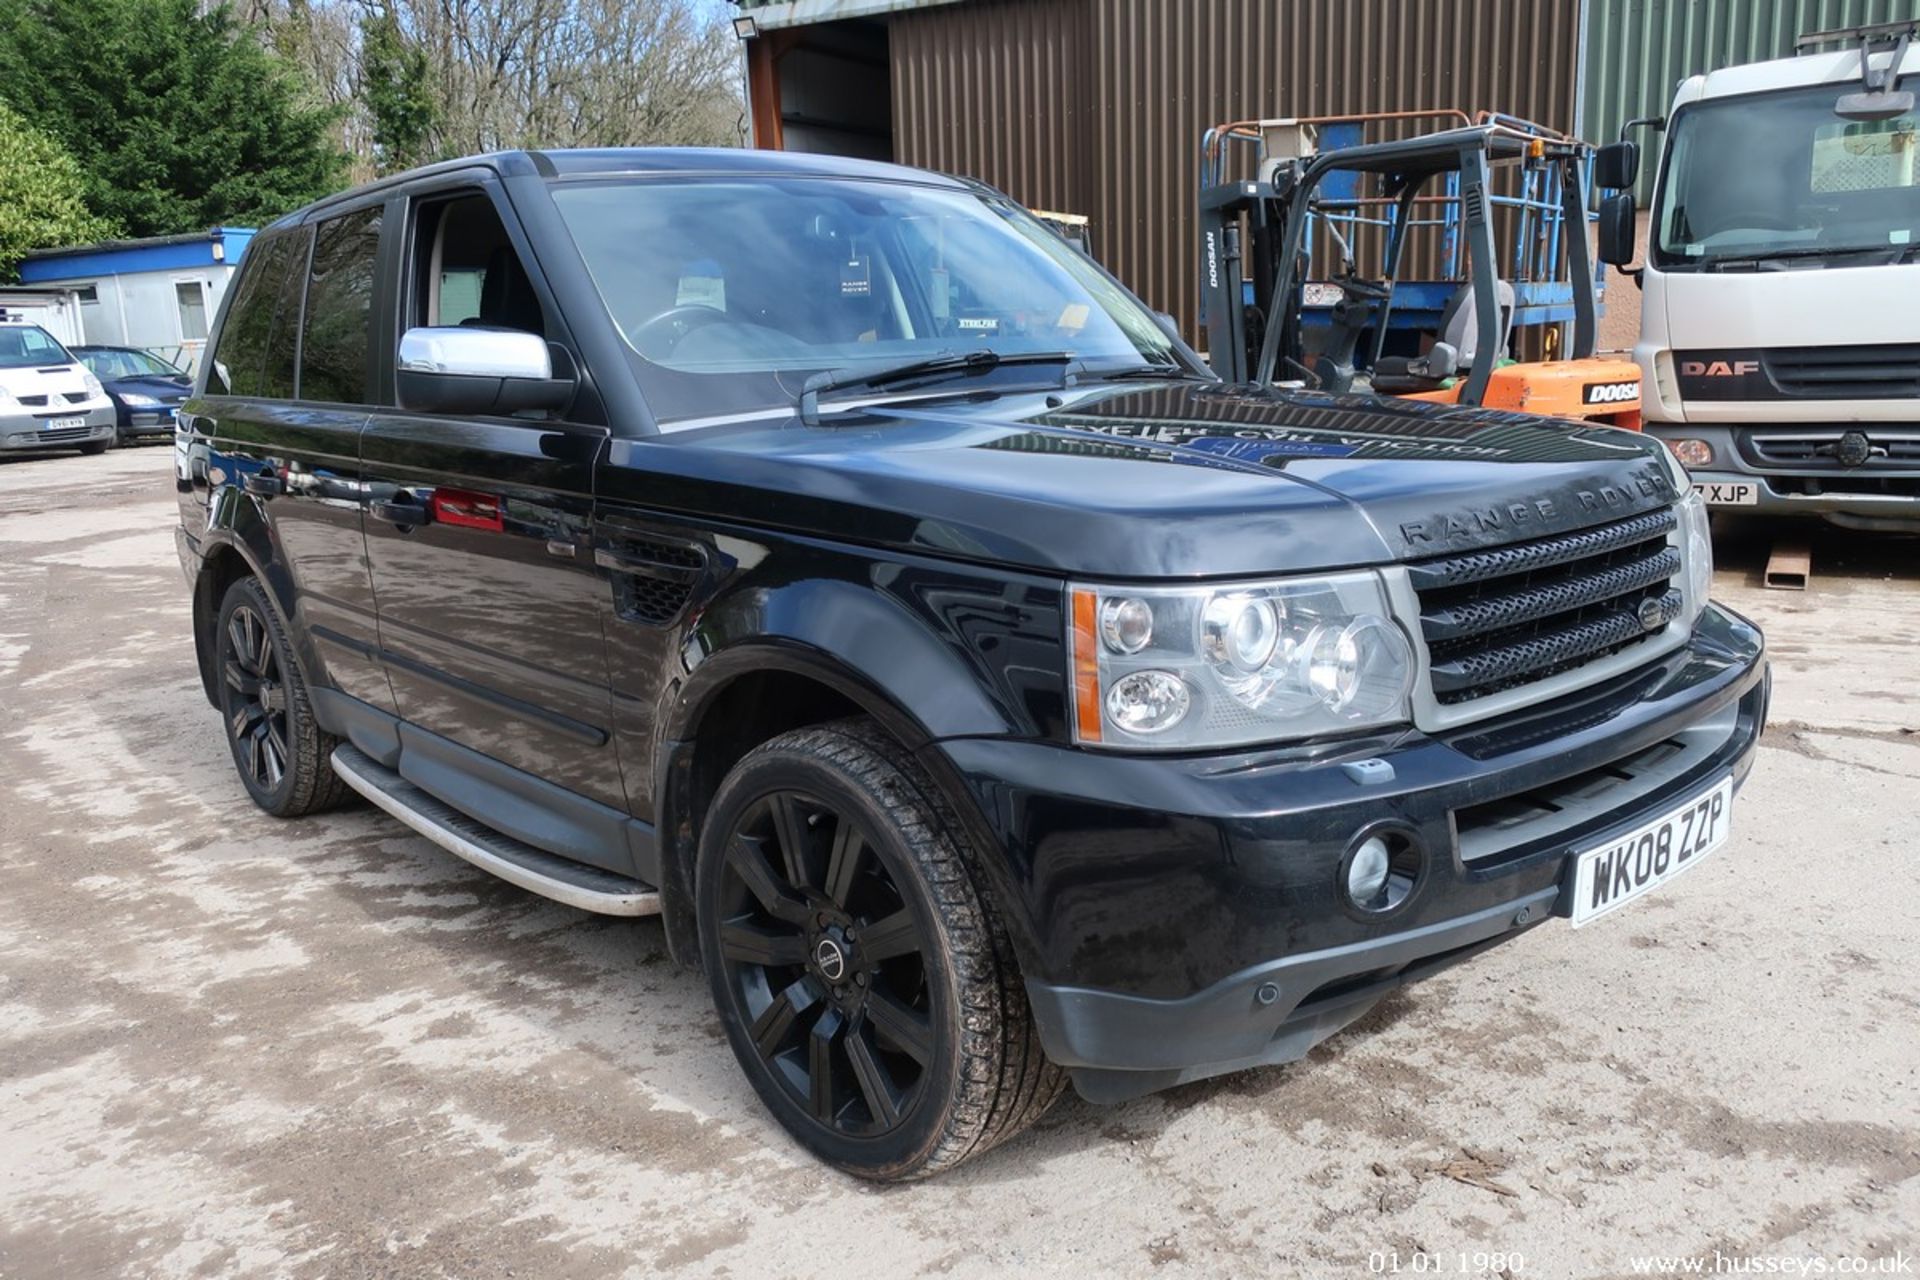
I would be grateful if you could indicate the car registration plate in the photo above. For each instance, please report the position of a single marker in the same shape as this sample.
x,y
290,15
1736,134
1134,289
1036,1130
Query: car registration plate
x,y
1624,868
1734,494
62,424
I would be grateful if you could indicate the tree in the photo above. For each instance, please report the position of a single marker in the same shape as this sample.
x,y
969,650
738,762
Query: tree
x,y
42,201
395,85
180,119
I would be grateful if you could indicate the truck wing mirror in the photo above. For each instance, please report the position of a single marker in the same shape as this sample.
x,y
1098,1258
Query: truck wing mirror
x,y
1616,229
455,369
1884,105
1616,165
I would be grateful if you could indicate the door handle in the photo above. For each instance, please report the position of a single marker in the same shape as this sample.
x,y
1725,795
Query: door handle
x,y
405,509
263,484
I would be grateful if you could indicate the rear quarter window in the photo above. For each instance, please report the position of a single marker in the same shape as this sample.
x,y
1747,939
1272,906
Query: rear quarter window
x,y
254,355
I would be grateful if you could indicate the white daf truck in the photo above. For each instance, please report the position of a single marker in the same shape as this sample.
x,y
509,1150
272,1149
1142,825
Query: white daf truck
x,y
1780,306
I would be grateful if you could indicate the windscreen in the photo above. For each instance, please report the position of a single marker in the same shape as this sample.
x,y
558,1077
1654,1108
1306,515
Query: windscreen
x,y
1781,176
26,345
731,292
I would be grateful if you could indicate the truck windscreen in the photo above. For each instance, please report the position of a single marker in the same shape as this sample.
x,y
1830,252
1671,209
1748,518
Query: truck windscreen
x,y
1778,177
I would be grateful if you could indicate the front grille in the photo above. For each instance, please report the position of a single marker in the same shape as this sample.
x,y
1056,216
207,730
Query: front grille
x,y
1499,619
1820,450
1872,371
78,397
63,435
35,401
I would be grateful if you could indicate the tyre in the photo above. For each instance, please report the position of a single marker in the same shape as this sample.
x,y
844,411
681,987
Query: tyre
x,y
94,447
282,756
861,974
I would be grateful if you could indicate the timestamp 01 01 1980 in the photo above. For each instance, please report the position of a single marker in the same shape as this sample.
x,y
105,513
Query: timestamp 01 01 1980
x,y
1455,1262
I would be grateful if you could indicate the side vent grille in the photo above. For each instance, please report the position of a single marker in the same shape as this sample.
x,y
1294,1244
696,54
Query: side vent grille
x,y
652,578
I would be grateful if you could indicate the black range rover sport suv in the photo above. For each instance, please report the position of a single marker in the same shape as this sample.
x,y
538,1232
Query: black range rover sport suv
x,y
826,557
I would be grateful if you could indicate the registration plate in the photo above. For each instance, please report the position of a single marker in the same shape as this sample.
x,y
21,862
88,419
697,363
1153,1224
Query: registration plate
x,y
61,424
1624,868
1735,494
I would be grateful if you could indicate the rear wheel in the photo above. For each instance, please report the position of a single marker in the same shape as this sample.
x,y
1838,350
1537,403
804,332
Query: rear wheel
x,y
282,756
863,979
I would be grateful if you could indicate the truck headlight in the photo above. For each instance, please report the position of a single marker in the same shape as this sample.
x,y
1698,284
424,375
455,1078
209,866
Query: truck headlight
x,y
1192,668
1696,550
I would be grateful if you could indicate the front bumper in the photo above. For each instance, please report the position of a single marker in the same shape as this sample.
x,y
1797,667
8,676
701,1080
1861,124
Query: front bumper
x,y
139,423
1184,917
1873,496
27,429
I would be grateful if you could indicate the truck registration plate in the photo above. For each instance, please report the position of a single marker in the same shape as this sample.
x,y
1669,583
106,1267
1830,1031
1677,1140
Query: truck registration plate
x,y
1734,494
1624,868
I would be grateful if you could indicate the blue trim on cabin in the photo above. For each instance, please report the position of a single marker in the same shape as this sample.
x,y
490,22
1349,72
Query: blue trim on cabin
x,y
91,262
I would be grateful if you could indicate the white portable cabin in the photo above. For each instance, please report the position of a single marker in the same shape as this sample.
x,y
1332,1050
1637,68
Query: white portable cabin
x,y
55,310
159,294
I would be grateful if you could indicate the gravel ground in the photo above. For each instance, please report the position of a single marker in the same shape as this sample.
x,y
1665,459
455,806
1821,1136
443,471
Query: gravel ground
x,y
230,1045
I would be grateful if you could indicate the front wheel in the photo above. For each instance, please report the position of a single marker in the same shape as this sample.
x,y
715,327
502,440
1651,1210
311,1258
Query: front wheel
x,y
862,977
96,447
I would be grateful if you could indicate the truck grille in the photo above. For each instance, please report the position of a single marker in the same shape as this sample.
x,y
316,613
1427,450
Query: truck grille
x,y
1875,371
1513,615
1820,449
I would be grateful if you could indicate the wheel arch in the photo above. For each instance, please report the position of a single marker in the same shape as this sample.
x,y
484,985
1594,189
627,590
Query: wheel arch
x,y
736,700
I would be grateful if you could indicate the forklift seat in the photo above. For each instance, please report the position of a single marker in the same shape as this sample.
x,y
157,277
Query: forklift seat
x,y
1460,329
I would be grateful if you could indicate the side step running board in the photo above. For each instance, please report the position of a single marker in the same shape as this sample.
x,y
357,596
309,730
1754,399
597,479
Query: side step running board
x,y
535,870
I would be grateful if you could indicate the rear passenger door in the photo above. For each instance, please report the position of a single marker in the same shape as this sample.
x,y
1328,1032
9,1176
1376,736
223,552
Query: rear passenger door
x,y
490,609
284,407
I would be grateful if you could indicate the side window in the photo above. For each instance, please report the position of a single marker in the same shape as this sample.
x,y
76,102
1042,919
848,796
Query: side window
x,y
335,346
277,377
465,270
240,363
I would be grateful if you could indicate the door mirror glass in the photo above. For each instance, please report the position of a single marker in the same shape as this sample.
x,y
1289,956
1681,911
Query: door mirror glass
x,y
1616,229
1616,165
485,371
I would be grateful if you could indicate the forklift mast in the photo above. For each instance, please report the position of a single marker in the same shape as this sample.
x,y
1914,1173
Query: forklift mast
x,y
1312,180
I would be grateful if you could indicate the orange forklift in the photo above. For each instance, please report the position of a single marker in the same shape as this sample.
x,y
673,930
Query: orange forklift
x,y
1355,263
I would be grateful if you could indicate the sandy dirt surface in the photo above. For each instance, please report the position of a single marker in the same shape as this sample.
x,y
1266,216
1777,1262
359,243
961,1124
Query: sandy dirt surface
x,y
235,1046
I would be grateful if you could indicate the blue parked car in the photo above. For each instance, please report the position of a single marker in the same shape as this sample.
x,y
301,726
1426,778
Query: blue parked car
x,y
146,390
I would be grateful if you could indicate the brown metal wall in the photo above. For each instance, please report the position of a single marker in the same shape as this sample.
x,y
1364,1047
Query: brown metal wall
x,y
1097,106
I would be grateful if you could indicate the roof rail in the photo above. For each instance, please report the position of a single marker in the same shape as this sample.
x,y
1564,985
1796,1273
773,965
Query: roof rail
x,y
1887,31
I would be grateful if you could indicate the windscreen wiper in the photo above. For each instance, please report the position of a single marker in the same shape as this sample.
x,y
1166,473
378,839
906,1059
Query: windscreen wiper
x,y
963,362
1157,369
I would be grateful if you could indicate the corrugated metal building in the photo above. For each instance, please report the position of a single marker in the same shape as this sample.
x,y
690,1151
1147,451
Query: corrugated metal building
x,y
1096,107
1637,51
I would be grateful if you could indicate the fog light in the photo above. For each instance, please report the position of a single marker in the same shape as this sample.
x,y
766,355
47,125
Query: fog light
x,y
1692,453
1367,873
1381,872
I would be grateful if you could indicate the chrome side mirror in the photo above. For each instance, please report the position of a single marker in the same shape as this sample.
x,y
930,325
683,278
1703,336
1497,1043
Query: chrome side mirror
x,y
447,369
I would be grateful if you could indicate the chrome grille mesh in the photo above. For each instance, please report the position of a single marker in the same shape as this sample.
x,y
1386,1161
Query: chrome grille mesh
x,y
1507,617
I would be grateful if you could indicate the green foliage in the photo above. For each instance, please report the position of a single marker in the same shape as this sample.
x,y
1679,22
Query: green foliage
x,y
397,92
179,119
42,194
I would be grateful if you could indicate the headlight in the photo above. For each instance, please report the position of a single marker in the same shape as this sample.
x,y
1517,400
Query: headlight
x,y
91,383
134,400
1696,546
6,399
1187,668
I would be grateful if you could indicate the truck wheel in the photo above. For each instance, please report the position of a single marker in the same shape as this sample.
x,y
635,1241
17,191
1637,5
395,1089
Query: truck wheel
x,y
861,974
92,447
282,756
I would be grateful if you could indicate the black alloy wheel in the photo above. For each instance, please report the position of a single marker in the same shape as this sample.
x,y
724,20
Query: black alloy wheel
x,y
256,698
825,959
280,753
860,969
